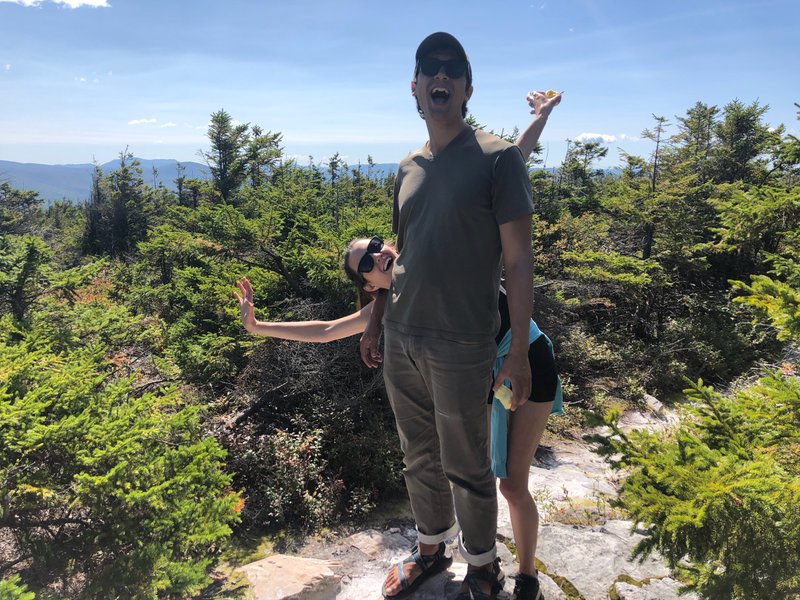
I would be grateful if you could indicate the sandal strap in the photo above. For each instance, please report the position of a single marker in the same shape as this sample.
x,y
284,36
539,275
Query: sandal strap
x,y
487,575
423,561
401,576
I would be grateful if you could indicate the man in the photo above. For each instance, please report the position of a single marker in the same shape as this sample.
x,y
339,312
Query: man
x,y
462,203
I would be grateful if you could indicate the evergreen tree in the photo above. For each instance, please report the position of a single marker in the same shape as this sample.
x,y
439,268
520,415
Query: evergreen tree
x,y
120,209
226,159
740,139
24,273
19,210
694,142
263,154
107,484
577,178
722,490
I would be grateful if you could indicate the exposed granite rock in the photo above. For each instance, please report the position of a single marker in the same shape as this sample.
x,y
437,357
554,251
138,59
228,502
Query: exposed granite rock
x,y
656,589
282,577
568,480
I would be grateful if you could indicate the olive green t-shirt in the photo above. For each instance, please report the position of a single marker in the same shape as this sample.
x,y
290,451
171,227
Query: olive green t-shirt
x,y
446,215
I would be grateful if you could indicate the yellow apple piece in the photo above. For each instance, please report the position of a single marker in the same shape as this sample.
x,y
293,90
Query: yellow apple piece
x,y
551,93
504,396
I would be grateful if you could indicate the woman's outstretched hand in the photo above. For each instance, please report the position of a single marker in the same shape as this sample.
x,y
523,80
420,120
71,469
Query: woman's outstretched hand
x,y
541,104
246,308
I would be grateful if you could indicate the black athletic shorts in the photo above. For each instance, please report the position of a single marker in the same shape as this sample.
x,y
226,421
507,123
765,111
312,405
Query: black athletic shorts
x,y
544,376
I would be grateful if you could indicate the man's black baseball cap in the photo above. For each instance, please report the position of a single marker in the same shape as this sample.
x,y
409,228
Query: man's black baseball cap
x,y
439,41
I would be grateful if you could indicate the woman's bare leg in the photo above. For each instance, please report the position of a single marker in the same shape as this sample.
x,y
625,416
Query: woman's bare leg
x,y
526,426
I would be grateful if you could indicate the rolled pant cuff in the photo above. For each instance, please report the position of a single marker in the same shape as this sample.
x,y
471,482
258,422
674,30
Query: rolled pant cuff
x,y
439,537
476,560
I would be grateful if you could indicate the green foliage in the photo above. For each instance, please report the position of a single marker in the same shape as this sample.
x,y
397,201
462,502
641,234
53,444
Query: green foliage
x,y
316,410
62,230
779,301
24,272
742,139
11,589
777,298
19,210
754,222
107,482
642,262
629,274
722,490
578,183
239,152
298,489
120,209
633,287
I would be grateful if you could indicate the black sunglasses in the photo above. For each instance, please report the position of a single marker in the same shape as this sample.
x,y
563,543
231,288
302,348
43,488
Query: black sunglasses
x,y
453,68
367,263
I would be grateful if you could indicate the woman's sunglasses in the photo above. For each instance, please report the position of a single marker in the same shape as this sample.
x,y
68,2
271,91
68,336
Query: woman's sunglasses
x,y
367,263
453,68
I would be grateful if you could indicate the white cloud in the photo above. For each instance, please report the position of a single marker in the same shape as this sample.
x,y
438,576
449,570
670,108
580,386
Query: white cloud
x,y
79,3
142,121
602,138
8,66
70,3
168,124
80,79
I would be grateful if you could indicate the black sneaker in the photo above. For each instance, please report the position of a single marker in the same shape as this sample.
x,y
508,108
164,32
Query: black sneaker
x,y
526,587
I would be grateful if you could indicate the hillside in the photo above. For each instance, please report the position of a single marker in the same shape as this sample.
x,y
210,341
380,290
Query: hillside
x,y
73,182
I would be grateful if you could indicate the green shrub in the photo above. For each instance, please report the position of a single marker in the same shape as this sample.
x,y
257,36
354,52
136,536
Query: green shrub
x,y
11,589
314,441
723,490
109,487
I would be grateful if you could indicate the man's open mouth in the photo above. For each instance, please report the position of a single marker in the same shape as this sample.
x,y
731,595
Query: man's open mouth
x,y
440,95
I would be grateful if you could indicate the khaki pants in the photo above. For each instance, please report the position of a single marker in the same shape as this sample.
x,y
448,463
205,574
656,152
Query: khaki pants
x,y
438,390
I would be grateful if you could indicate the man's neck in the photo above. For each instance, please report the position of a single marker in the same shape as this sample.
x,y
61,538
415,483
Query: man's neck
x,y
440,134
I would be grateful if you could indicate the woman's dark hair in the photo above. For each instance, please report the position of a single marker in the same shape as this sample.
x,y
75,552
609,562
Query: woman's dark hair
x,y
364,297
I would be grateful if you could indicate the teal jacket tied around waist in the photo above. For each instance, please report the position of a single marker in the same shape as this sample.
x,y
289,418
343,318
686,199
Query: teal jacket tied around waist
x,y
499,440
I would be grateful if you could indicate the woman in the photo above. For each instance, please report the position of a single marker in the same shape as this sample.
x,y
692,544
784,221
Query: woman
x,y
368,263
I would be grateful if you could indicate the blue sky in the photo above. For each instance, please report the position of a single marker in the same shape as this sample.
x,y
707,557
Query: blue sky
x,y
82,79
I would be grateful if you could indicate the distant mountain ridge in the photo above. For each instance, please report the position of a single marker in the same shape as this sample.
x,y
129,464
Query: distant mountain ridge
x,y
74,182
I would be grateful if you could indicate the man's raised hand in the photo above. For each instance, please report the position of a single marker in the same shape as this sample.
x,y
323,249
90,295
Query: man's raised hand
x,y
542,103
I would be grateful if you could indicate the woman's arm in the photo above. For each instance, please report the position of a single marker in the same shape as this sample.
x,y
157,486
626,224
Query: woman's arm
x,y
301,331
542,106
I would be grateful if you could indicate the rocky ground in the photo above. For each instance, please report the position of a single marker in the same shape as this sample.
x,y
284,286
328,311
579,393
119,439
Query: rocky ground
x,y
584,547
